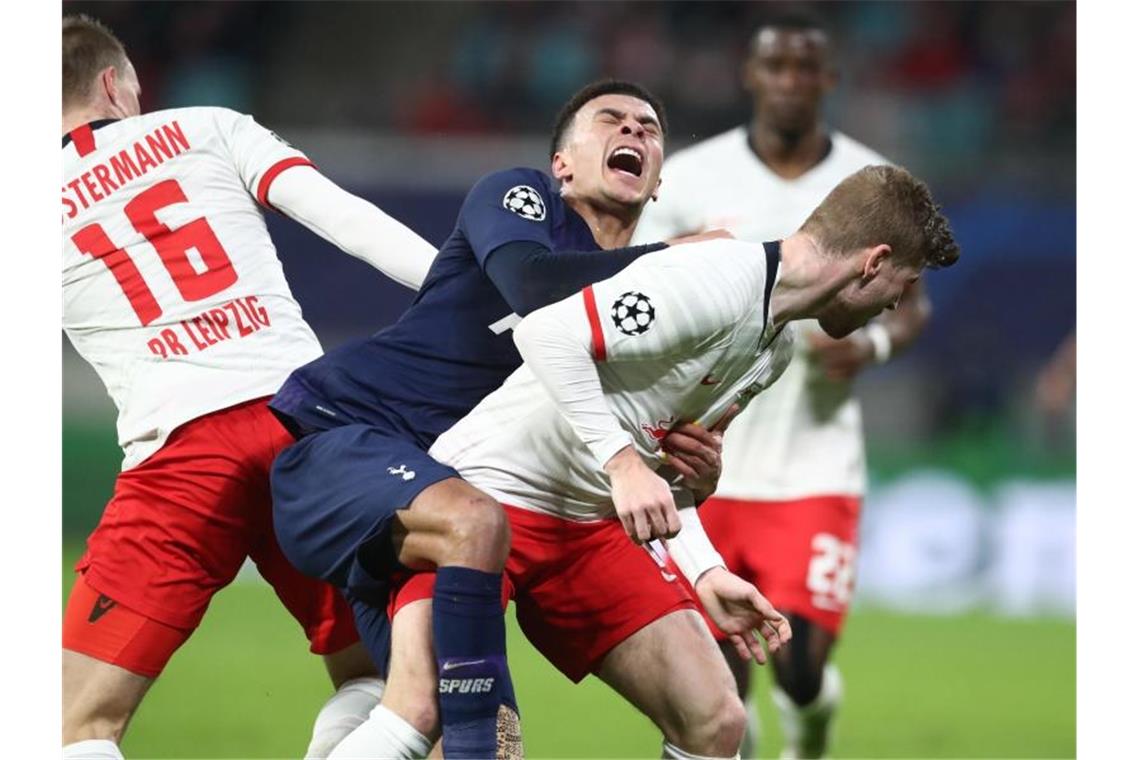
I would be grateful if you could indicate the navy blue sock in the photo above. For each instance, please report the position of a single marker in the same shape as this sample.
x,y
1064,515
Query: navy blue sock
x,y
471,652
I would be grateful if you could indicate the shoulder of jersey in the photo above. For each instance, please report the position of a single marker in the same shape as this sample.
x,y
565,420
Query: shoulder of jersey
x,y
522,174
855,153
188,115
696,156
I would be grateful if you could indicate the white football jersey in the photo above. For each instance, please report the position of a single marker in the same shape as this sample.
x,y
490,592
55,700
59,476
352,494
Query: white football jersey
x,y
681,334
804,437
172,288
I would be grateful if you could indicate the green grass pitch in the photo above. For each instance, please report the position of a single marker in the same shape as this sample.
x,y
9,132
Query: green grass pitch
x,y
973,686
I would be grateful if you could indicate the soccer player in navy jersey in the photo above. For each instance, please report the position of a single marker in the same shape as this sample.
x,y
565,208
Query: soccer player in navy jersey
x,y
357,500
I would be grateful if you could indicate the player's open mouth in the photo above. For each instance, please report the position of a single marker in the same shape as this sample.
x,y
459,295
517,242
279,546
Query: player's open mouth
x,y
626,160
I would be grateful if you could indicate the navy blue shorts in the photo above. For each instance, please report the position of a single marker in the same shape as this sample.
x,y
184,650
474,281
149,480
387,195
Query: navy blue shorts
x,y
334,495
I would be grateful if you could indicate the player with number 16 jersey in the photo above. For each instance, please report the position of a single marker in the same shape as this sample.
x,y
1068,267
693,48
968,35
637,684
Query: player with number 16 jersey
x,y
172,288
174,294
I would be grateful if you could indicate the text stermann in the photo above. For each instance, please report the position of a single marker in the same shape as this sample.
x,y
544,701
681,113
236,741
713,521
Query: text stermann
x,y
102,179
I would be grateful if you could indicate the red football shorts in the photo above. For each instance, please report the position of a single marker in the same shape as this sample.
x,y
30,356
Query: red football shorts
x,y
580,588
799,553
180,525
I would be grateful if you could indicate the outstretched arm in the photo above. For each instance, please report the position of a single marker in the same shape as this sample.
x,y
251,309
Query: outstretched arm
x,y
352,224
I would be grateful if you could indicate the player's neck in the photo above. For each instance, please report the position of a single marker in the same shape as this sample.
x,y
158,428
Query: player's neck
x,y
788,155
77,117
610,229
808,279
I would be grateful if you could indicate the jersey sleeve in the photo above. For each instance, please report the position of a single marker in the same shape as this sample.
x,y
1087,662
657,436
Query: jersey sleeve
x,y
673,303
352,224
651,310
258,154
505,207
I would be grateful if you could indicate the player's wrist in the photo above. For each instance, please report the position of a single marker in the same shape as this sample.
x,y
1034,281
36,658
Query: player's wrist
x,y
707,576
624,462
691,549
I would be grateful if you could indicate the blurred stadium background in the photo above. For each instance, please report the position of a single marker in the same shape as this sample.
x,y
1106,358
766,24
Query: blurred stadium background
x,y
962,643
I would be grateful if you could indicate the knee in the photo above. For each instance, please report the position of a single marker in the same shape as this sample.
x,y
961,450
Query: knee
x,y
80,724
477,531
727,727
801,681
98,699
716,729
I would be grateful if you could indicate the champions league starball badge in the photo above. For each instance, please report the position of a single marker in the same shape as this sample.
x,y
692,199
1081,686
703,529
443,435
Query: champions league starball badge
x,y
526,202
633,313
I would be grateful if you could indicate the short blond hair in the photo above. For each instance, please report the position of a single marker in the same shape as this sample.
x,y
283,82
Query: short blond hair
x,y
88,48
884,204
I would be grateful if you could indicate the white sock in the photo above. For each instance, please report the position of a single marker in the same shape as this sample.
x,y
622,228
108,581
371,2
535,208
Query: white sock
x,y
751,741
345,710
92,749
673,751
385,734
807,729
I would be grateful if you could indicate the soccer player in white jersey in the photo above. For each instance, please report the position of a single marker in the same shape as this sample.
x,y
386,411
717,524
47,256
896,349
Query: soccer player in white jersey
x,y
174,293
570,443
786,513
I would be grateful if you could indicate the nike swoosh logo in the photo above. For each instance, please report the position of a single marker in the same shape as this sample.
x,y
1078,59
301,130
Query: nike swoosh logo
x,y
453,665
709,380
102,606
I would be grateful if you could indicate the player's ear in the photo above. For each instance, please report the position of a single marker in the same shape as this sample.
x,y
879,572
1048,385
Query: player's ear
x,y
656,190
874,259
560,167
109,83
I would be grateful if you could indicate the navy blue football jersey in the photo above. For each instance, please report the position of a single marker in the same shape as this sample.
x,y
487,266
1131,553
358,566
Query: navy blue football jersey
x,y
453,345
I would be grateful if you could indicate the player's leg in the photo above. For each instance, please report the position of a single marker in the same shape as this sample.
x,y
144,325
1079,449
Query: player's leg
x,y
123,652
170,537
808,689
464,533
742,675
693,699
102,699
730,527
592,601
322,613
328,622
406,722
805,552
354,505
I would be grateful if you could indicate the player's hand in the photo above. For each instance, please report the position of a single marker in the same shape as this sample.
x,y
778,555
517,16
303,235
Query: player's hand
x,y
697,237
843,358
694,453
740,610
642,499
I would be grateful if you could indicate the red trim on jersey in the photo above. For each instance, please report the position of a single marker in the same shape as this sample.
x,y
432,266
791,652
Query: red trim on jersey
x,y
271,174
597,337
83,139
